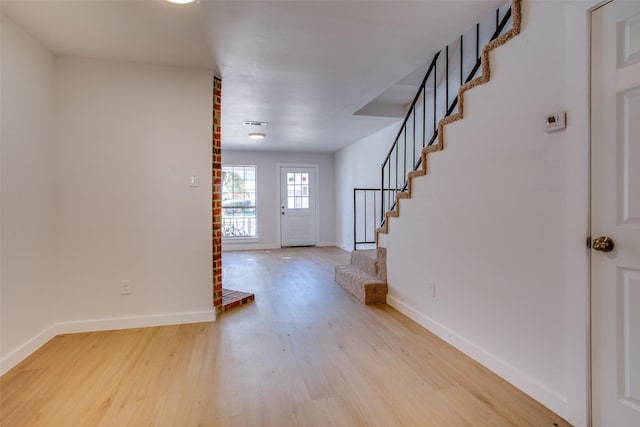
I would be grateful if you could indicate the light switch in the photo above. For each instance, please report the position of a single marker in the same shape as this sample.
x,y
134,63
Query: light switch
x,y
195,181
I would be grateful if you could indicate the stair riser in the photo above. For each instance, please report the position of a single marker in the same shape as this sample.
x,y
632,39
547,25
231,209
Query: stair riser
x,y
373,262
381,255
365,261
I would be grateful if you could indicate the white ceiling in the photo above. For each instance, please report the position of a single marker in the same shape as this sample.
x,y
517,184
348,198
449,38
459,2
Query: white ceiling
x,y
304,66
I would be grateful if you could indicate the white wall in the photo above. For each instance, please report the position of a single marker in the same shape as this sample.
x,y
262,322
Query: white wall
x,y
268,193
358,166
129,138
499,222
96,164
28,280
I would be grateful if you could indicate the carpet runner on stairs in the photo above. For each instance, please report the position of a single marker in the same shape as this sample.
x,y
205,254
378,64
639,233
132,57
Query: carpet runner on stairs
x,y
366,276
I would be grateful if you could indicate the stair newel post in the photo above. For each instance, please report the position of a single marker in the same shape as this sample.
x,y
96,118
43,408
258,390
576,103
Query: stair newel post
x,y
354,220
382,192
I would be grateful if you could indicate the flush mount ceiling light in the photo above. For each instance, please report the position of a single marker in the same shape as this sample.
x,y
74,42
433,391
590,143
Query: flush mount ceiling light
x,y
256,135
181,1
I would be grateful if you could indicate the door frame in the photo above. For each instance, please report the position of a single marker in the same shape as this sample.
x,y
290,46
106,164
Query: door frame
x,y
577,181
590,7
316,169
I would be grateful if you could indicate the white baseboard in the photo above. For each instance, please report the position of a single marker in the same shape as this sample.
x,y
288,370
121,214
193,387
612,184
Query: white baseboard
x,y
231,247
543,394
135,322
22,352
347,248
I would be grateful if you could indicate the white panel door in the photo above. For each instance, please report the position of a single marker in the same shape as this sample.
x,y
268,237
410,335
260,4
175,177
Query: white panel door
x,y
298,206
615,209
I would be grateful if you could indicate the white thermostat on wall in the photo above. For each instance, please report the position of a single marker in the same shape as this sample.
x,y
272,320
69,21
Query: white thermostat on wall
x,y
555,121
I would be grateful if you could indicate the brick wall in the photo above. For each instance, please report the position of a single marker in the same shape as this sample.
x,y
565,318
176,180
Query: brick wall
x,y
217,196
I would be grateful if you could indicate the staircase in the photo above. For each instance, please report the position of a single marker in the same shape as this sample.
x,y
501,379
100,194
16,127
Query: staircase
x,y
366,277
439,101
396,179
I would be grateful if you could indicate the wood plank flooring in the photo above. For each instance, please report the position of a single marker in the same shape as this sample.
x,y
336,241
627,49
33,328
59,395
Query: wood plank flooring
x,y
305,353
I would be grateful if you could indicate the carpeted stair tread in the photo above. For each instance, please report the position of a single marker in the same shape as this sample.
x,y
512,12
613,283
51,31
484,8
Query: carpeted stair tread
x,y
365,287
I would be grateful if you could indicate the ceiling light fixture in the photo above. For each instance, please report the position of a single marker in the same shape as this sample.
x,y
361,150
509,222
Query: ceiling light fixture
x,y
257,135
181,1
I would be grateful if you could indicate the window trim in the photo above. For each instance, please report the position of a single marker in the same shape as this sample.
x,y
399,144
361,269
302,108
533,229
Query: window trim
x,y
240,239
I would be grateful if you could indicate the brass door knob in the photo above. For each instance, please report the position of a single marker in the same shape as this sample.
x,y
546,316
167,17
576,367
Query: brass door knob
x,y
603,244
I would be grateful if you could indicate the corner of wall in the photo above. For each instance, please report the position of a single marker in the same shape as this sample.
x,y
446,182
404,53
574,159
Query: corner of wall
x,y
33,344
30,346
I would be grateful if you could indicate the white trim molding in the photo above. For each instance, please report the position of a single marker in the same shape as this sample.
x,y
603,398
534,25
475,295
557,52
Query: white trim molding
x,y
146,321
550,398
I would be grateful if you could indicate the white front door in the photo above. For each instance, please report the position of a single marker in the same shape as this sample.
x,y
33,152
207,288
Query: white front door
x,y
298,206
615,210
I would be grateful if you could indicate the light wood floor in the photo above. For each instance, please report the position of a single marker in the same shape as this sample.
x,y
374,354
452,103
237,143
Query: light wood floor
x,y
303,354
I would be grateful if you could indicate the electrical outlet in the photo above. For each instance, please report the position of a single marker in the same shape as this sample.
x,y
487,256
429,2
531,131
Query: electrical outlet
x,y
125,287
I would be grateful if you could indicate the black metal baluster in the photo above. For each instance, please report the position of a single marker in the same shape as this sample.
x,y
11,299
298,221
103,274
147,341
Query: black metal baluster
x,y
404,155
446,102
355,239
375,220
389,193
382,192
477,41
413,157
396,187
365,215
424,117
461,58
435,95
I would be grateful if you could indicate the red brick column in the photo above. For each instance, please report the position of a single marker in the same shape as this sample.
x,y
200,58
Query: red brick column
x,y
217,196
